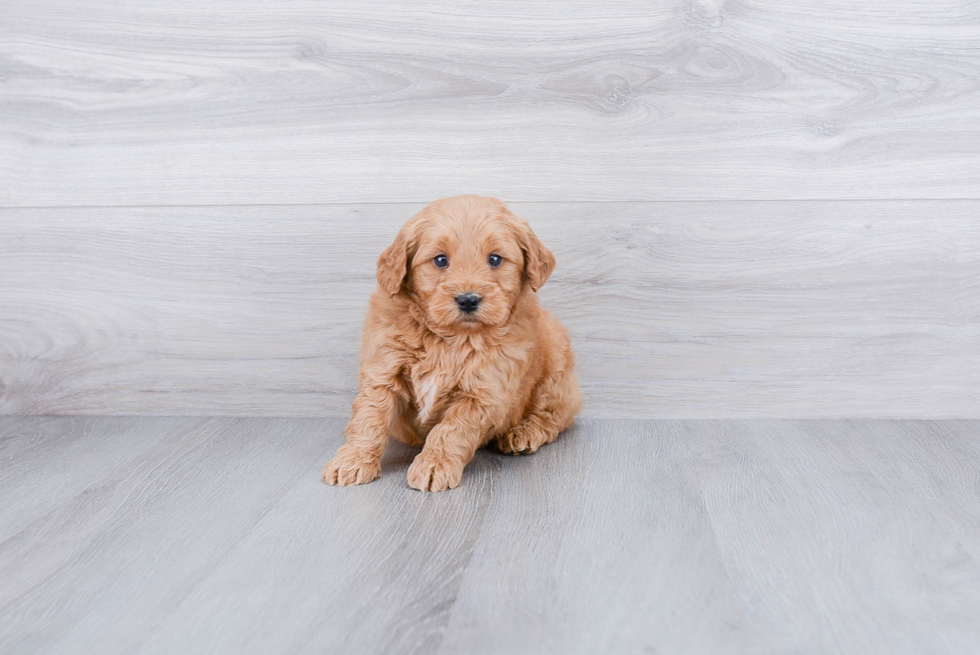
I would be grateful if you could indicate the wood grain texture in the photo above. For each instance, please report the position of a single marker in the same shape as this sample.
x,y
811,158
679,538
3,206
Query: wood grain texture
x,y
378,573
624,536
715,309
603,553
127,549
858,522
65,454
237,102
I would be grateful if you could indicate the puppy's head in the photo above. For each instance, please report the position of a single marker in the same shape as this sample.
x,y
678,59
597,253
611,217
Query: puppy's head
x,y
466,260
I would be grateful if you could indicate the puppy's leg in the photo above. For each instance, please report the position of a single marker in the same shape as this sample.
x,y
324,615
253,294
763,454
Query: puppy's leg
x,y
551,411
403,427
450,446
359,460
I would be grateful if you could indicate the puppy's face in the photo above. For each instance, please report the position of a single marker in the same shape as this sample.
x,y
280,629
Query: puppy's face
x,y
466,261
467,271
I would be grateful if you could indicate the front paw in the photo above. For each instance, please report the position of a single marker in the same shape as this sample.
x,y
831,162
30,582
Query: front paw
x,y
520,440
351,466
433,473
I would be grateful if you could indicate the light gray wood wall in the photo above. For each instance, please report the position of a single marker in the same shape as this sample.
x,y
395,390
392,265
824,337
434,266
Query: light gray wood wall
x,y
759,209
676,309
247,101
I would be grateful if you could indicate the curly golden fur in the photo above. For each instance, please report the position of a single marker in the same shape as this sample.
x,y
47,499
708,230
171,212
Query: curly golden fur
x,y
456,351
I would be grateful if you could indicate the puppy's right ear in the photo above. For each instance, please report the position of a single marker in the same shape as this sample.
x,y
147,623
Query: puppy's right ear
x,y
393,265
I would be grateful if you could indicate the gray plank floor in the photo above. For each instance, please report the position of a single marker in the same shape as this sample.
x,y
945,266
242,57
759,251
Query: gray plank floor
x,y
197,535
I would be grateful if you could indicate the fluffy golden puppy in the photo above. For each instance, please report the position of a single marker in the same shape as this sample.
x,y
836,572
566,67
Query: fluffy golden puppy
x,y
456,352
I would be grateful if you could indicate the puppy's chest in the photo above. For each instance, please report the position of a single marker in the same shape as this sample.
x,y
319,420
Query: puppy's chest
x,y
432,385
436,377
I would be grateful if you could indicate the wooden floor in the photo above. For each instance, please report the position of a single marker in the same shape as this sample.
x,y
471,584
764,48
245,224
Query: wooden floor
x,y
198,535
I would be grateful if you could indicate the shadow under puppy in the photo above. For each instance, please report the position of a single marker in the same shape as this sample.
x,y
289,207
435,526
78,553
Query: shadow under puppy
x,y
456,351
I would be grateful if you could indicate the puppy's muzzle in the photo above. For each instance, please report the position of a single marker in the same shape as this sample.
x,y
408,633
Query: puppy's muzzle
x,y
468,302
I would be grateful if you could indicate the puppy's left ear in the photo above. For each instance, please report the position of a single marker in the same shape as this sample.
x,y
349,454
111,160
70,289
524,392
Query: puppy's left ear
x,y
393,265
538,260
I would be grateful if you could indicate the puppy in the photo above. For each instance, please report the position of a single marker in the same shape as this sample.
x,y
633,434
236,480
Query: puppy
x,y
456,352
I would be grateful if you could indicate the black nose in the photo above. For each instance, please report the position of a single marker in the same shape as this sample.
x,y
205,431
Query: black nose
x,y
468,302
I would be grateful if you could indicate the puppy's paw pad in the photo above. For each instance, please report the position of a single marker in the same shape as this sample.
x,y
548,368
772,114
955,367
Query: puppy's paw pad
x,y
351,467
429,473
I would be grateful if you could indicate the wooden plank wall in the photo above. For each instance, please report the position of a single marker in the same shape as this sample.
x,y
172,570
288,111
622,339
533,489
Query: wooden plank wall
x,y
759,209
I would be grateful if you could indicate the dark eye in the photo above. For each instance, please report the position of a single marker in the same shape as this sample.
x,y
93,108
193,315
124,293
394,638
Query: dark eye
x,y
441,261
495,260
